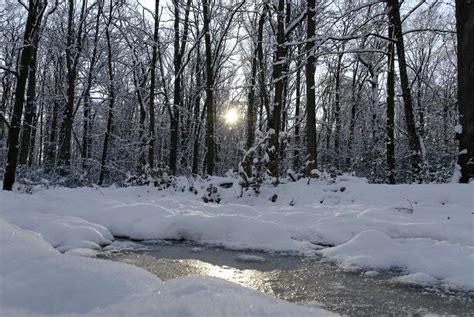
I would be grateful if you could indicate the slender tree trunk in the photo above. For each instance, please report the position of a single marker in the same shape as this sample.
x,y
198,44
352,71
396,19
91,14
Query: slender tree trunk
x,y
197,105
390,123
465,35
251,100
413,140
51,148
275,111
296,151
261,70
337,110
139,88
86,125
30,108
310,89
35,13
151,110
38,117
354,107
67,122
210,143
179,51
108,132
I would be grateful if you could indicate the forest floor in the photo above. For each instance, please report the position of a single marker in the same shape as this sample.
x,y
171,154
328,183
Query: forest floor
x,y
423,231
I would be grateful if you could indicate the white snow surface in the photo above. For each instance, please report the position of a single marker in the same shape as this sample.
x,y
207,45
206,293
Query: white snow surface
x,y
37,280
424,230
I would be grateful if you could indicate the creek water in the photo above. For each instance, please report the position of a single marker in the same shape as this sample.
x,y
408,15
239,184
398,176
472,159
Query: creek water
x,y
304,280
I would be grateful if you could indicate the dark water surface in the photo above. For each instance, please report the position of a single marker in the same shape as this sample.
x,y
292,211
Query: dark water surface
x,y
304,280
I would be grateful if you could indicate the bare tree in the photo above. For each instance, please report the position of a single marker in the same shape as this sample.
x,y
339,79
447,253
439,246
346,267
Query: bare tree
x,y
36,9
465,35
413,140
310,86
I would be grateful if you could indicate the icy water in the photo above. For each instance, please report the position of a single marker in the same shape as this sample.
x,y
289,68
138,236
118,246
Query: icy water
x,y
304,280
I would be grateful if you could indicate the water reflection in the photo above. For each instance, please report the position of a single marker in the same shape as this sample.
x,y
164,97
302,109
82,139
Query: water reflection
x,y
302,280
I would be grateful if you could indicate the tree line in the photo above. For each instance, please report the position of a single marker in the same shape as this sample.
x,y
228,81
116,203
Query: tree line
x,y
98,91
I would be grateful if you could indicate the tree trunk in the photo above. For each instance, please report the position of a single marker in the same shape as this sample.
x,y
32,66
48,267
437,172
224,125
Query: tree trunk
x,y
151,110
67,122
337,110
296,150
413,140
354,107
310,92
390,136
261,70
279,83
30,108
197,105
251,99
35,13
86,125
465,35
210,143
111,97
51,148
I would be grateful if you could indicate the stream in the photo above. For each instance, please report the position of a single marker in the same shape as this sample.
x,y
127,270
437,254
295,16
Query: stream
x,y
303,280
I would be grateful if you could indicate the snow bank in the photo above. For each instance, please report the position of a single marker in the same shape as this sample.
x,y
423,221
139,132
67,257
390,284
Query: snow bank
x,y
62,232
37,280
419,228
430,262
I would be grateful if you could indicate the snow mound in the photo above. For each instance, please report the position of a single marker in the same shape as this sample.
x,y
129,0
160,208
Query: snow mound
x,y
421,279
250,258
444,261
63,232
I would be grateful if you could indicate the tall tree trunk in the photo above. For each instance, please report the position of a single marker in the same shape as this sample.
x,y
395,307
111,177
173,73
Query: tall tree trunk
x,y
390,123
337,110
275,111
73,52
210,143
108,132
354,107
296,150
197,105
53,135
251,102
30,108
179,51
465,35
139,88
86,125
151,110
67,121
261,70
38,117
413,140
310,89
35,14
285,70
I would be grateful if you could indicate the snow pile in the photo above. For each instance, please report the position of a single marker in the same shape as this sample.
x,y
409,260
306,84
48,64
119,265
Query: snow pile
x,y
250,258
451,263
63,232
426,229
37,280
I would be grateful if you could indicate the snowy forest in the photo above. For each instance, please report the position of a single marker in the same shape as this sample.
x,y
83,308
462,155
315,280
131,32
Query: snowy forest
x,y
117,91
317,151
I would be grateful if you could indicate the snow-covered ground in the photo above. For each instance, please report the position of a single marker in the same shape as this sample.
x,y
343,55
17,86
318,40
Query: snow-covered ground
x,y
37,280
426,231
